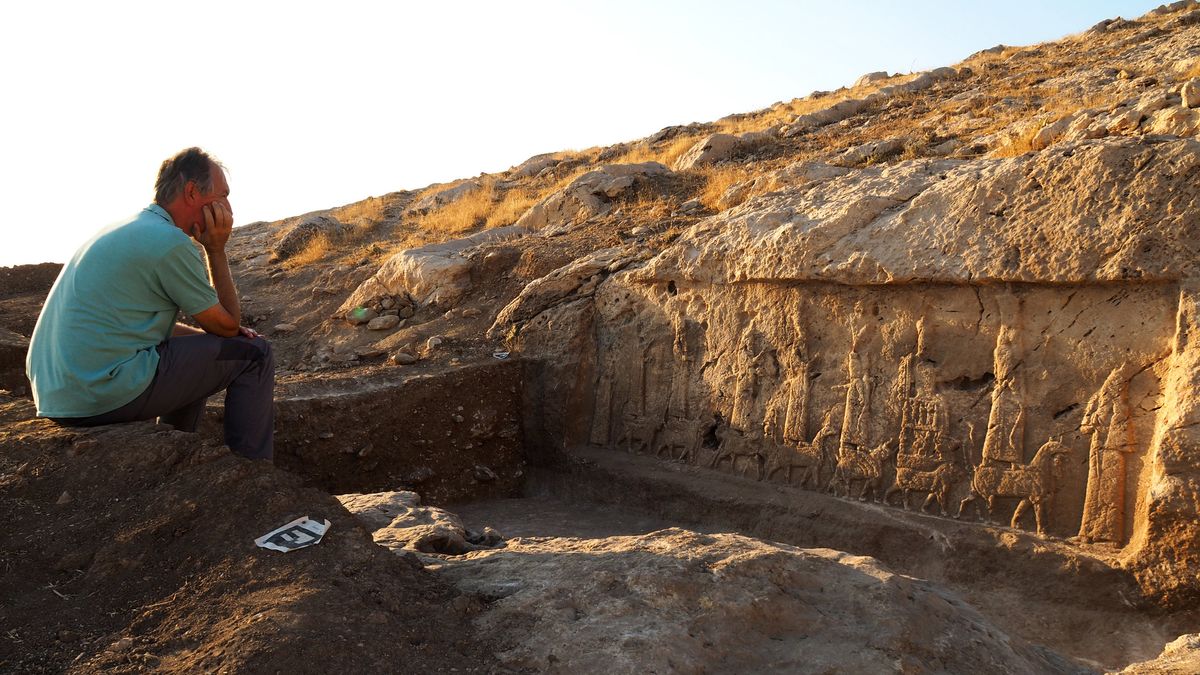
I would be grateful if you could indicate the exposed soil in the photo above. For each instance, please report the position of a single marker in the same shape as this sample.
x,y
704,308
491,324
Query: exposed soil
x,y
131,548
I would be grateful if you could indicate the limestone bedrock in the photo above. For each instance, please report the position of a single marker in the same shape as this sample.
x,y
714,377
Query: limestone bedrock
x,y
1008,339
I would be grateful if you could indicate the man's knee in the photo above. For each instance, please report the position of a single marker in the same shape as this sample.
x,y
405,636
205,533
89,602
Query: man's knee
x,y
266,351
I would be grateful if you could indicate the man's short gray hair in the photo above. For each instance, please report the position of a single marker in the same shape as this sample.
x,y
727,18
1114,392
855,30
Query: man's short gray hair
x,y
193,165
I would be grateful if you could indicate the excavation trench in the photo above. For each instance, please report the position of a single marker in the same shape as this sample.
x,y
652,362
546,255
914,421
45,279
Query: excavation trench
x,y
460,440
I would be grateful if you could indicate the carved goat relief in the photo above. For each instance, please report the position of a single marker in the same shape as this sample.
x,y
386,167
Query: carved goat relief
x,y
984,401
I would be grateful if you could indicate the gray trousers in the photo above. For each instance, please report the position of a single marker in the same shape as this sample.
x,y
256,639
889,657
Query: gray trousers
x,y
193,367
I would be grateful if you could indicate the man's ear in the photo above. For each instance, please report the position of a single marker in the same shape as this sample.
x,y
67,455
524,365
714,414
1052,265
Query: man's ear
x,y
190,192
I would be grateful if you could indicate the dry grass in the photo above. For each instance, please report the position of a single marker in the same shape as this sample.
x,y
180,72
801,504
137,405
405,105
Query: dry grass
x,y
512,206
491,206
718,178
369,210
316,250
667,154
651,208
1192,70
467,213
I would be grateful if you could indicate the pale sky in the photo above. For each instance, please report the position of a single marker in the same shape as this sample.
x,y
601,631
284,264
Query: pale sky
x,y
314,105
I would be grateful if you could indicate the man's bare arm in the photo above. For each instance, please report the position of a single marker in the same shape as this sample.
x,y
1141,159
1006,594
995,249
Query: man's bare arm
x,y
184,329
224,318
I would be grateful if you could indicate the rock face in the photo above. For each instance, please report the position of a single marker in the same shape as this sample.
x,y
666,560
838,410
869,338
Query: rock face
x,y
666,601
1018,334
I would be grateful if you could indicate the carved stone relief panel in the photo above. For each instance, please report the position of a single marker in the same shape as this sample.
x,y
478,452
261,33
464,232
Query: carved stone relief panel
x,y
1030,405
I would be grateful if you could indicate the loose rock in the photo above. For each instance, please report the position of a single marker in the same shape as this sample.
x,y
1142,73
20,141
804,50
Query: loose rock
x,y
385,322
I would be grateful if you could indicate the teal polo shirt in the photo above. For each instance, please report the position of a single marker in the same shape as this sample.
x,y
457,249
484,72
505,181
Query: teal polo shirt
x,y
93,349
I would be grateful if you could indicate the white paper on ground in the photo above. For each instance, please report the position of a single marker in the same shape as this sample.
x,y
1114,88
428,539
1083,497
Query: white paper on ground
x,y
300,533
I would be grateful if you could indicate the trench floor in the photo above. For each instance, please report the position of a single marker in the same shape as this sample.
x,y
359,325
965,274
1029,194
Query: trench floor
x,y
1044,591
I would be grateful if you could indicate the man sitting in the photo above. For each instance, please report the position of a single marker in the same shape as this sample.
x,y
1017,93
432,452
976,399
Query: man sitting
x,y
106,347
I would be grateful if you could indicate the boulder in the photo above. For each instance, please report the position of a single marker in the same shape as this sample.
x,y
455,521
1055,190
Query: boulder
x,y
399,522
534,165
714,148
13,348
359,315
298,236
444,197
861,153
572,282
1174,122
1124,121
385,322
437,273
1190,93
871,78
587,196
1050,133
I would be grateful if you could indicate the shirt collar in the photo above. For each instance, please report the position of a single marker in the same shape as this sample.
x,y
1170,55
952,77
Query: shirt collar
x,y
161,212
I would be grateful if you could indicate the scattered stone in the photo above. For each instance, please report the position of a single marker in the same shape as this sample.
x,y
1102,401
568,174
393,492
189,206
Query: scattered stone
x,y
385,322
403,359
1190,92
369,352
690,206
483,474
325,435
387,303
434,342
64,498
361,315
471,312
285,327
457,418
122,645
344,358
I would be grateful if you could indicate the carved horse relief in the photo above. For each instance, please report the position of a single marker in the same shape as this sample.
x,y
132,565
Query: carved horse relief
x,y
1034,483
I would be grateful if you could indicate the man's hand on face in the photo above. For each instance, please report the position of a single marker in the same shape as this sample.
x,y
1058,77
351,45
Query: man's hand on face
x,y
218,224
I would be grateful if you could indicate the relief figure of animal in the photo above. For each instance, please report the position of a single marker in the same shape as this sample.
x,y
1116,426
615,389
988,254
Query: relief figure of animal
x,y
938,483
734,446
810,459
1034,483
682,435
865,465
